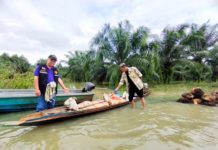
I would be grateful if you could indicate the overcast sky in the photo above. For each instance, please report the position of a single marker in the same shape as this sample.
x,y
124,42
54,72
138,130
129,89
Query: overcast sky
x,y
37,28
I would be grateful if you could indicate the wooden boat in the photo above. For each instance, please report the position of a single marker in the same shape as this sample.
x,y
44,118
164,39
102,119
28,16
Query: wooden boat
x,y
61,113
24,99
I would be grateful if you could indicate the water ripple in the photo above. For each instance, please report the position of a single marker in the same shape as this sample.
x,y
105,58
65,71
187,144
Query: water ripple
x,y
167,125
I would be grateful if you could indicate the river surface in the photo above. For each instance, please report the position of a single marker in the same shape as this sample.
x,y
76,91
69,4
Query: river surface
x,y
164,124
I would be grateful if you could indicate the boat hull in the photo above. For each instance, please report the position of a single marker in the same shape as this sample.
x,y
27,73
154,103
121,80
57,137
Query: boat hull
x,y
61,113
66,115
11,101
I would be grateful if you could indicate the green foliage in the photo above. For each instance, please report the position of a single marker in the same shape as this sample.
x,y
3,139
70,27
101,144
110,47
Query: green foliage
x,y
12,79
199,40
191,71
212,61
79,65
120,44
16,63
186,52
41,61
171,50
15,72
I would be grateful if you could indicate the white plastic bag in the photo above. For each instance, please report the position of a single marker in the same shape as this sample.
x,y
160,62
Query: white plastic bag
x,y
71,104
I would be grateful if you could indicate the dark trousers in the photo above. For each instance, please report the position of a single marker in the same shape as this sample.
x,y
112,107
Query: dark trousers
x,y
133,90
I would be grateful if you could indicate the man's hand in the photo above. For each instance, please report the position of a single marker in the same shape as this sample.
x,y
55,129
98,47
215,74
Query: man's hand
x,y
66,90
37,92
115,91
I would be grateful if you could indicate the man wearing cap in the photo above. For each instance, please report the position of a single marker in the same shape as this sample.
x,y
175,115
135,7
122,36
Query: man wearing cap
x,y
133,79
44,75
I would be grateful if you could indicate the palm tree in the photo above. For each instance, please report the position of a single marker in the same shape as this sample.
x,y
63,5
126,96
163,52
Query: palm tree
x,y
112,46
198,43
147,60
199,40
116,45
185,52
212,60
79,65
171,49
189,70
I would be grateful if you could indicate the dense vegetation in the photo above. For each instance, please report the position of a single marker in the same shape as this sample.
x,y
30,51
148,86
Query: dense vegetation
x,y
15,72
187,52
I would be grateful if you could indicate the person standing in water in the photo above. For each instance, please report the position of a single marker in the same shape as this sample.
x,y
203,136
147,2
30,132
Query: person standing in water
x,y
133,79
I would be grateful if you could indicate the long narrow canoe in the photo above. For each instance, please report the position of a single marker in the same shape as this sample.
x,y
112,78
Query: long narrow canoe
x,y
61,113
20,100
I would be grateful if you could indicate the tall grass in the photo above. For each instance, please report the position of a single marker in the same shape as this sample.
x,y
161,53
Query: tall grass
x,y
12,80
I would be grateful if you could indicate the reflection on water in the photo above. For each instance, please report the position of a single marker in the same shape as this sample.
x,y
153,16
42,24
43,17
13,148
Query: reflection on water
x,y
164,124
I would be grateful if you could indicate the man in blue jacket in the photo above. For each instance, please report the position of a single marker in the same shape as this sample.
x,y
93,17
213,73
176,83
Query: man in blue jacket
x,y
45,74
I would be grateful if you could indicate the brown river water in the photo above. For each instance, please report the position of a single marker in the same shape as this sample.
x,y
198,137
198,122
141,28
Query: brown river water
x,y
164,124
